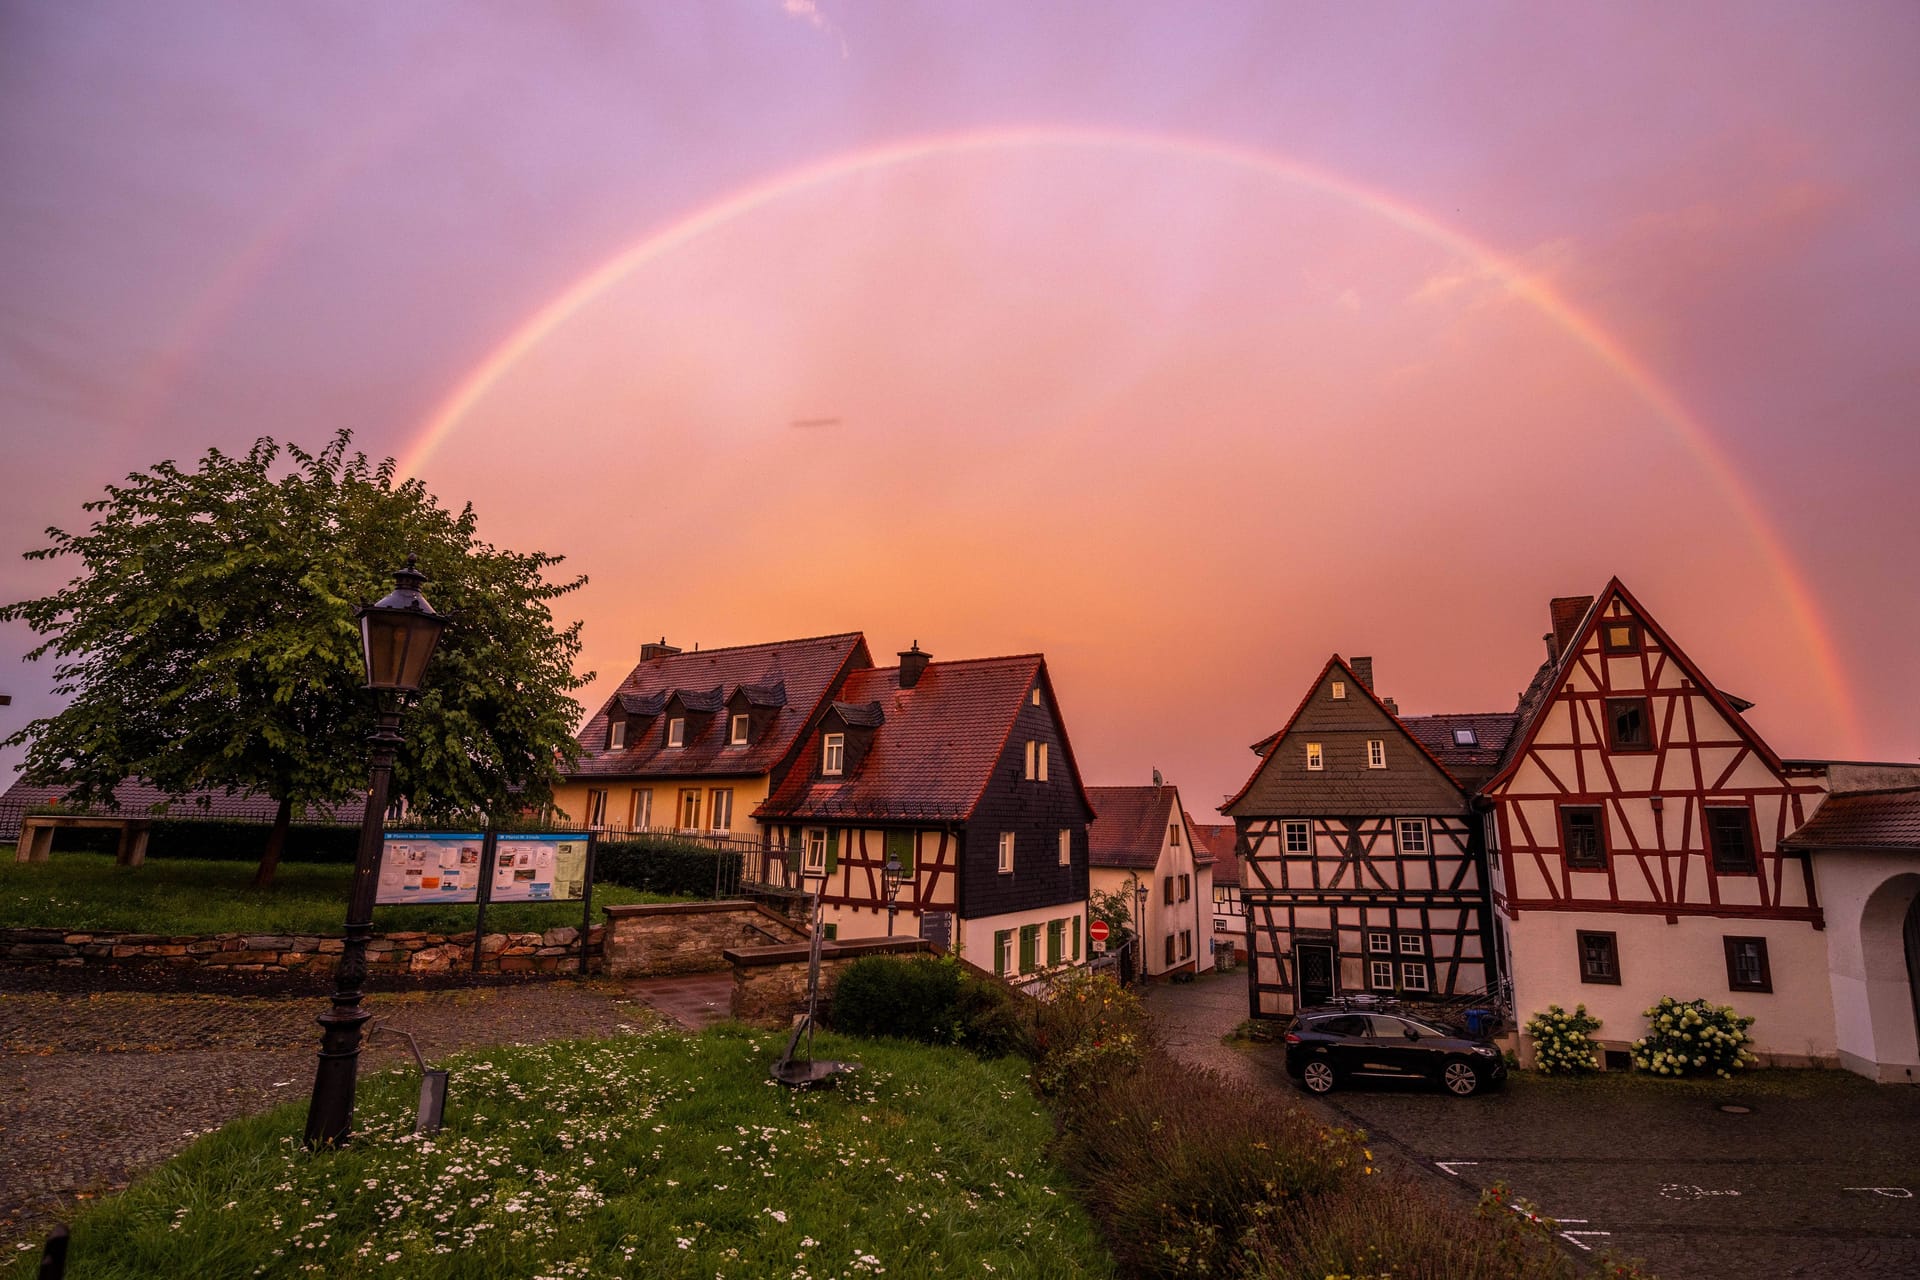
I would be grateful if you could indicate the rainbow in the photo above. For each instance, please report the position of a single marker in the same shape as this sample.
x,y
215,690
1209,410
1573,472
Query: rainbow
x,y
543,323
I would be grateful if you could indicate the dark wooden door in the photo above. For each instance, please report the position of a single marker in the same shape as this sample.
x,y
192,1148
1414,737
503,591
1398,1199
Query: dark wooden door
x,y
1912,935
1313,967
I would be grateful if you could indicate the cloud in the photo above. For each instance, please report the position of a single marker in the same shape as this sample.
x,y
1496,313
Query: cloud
x,y
809,12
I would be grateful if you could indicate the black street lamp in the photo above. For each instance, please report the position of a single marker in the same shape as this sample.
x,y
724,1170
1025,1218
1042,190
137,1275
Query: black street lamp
x,y
890,876
397,639
1140,921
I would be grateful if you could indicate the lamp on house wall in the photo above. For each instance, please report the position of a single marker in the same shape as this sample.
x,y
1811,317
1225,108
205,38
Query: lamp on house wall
x,y
397,639
890,876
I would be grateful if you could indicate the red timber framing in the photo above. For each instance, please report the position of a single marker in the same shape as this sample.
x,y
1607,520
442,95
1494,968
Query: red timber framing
x,y
856,860
1356,893
1652,801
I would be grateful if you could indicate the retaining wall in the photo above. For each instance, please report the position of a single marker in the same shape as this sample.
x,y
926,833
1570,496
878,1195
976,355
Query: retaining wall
x,y
770,982
652,939
554,951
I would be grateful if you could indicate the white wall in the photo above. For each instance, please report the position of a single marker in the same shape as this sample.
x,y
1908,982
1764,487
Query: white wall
x,y
1866,897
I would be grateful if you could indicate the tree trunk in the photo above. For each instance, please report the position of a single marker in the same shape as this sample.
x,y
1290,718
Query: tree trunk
x,y
276,845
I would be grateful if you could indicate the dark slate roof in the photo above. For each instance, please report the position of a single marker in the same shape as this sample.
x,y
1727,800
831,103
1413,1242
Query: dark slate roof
x,y
1470,765
1863,820
1129,826
806,672
935,750
705,700
765,695
1414,782
139,800
861,715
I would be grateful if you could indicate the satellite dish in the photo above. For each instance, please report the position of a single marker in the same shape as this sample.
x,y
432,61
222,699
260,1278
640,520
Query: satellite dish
x,y
1156,778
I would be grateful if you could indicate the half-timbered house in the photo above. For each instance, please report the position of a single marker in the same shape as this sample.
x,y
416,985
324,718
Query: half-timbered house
x,y
962,774
1141,840
1639,853
1229,911
1362,867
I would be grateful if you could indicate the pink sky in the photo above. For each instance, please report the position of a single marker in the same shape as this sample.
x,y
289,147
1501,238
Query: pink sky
x,y
1194,377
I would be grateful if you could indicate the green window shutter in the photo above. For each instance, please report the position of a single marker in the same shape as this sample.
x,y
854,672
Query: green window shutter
x,y
796,841
1078,923
1000,952
1056,942
833,850
831,931
1029,943
900,845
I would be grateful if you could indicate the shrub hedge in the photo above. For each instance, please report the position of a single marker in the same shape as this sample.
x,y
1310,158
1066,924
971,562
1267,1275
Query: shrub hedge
x,y
220,840
931,999
663,864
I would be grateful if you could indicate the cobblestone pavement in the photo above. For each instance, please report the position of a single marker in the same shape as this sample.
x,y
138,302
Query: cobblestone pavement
x,y
1820,1178
95,1089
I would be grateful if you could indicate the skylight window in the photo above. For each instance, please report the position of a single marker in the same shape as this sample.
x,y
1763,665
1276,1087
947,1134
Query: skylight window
x,y
1465,738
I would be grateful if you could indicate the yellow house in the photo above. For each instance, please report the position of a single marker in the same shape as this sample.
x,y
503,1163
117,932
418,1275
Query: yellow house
x,y
692,743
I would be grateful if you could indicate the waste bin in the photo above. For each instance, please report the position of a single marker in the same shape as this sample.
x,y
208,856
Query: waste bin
x,y
1479,1022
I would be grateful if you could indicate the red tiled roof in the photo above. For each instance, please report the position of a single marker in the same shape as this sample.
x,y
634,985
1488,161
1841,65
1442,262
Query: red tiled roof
x,y
1203,853
805,670
1129,826
1218,837
138,800
1863,820
935,747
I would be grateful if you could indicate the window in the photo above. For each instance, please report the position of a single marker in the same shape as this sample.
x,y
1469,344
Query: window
x,y
1380,942
1219,925
1747,968
1413,944
1173,834
1730,839
1583,836
1413,835
1066,847
1339,690
1186,944
1029,947
737,730
833,754
677,731
689,819
900,849
1056,941
1413,975
1169,948
1036,695
1380,974
596,808
1465,738
617,736
1186,887
1599,957
1620,635
640,809
1315,760
816,850
1166,891
1376,754
1006,853
1003,951
1295,837
1629,724
1036,761
720,809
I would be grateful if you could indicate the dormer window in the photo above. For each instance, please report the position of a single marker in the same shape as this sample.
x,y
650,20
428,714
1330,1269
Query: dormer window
x,y
833,754
1316,759
617,735
1376,753
737,731
1465,738
1339,690
677,731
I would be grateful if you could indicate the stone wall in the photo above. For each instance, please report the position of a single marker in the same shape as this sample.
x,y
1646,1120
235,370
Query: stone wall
x,y
649,940
770,982
425,954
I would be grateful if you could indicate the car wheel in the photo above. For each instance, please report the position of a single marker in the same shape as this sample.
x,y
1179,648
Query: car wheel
x,y
1317,1076
1460,1078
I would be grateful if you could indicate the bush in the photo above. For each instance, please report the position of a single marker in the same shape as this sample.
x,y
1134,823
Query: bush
x,y
931,999
1090,1032
219,840
1561,1040
662,864
1694,1038
1178,1168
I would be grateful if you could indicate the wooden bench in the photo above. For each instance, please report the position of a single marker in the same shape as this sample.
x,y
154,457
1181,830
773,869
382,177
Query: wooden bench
x,y
36,836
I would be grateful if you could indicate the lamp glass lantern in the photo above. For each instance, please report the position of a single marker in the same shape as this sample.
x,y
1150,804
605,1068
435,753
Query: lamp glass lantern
x,y
399,634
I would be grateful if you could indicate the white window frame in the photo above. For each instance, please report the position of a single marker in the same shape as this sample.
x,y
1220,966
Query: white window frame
x,y
1066,846
1466,737
1287,832
1006,853
688,807
1043,762
1376,753
737,729
1412,944
1413,975
640,809
814,857
1316,757
1417,828
1380,975
1036,760
720,809
1339,690
596,809
617,736
833,754
677,731
1009,953
1379,942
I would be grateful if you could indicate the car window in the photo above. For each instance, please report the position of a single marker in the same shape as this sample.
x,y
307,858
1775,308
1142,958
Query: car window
x,y
1427,1028
1351,1024
1385,1028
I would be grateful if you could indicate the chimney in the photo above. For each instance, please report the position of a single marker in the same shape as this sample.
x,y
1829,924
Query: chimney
x,y
1553,646
648,652
1362,670
1567,612
912,663
1393,708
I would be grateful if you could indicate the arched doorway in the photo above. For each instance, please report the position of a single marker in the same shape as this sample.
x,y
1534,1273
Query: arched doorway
x,y
1890,966
1911,937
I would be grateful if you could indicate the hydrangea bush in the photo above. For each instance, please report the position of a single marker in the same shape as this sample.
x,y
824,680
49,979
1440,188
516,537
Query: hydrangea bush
x,y
1694,1038
1562,1043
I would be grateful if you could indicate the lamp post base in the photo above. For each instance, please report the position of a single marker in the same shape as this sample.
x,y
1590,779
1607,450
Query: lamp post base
x,y
330,1114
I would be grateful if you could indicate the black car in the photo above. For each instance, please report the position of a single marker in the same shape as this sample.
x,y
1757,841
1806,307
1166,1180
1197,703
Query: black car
x,y
1328,1047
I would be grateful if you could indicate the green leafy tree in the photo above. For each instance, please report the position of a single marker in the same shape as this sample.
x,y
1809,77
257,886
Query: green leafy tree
x,y
208,641
1115,907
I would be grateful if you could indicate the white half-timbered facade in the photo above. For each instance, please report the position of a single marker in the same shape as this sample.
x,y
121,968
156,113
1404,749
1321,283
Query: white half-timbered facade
x,y
1639,822
1362,867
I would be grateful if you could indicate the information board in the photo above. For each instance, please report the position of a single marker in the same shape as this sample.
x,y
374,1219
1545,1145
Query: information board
x,y
539,868
430,867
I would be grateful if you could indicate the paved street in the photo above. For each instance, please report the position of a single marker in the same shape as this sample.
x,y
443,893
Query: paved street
x,y
1820,1178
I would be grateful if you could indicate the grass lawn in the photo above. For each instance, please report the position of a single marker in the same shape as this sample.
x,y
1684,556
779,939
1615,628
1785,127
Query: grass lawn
x,y
191,896
659,1154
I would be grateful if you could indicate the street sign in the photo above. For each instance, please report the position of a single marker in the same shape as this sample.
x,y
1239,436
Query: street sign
x,y
1098,931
